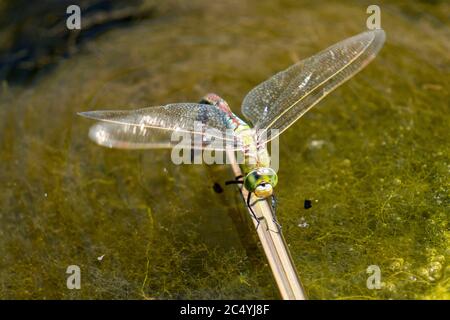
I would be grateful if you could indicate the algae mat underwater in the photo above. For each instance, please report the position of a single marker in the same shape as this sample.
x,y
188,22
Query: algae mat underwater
x,y
373,157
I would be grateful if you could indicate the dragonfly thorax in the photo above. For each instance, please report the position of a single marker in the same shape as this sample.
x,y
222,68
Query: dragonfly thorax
x,y
261,181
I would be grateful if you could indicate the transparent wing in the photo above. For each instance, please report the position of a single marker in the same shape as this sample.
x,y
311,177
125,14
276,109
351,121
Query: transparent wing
x,y
187,125
281,100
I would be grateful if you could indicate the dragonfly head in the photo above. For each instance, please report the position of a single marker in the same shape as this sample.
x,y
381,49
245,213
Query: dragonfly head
x,y
261,182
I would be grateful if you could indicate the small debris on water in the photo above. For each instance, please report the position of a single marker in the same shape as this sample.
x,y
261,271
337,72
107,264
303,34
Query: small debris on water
x,y
307,204
217,188
303,223
100,258
316,144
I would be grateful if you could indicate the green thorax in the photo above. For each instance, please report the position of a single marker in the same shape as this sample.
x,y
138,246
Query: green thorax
x,y
254,161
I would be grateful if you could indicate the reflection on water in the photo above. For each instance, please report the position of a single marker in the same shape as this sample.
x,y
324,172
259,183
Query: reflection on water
x,y
378,182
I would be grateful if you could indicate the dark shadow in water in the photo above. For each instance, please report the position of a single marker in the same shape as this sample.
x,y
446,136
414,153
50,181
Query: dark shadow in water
x,y
37,35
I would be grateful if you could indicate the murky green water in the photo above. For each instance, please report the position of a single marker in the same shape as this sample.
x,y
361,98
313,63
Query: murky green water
x,y
373,157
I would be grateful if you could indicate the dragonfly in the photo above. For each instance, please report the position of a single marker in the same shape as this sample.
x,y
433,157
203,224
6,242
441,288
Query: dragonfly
x,y
270,108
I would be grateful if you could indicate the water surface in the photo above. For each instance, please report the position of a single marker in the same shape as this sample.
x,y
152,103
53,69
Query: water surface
x,y
373,157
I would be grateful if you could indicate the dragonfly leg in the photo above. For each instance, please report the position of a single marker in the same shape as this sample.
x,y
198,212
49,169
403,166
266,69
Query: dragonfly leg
x,y
274,203
249,205
235,181
238,180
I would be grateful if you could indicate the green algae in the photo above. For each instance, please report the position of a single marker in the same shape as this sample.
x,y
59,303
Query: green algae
x,y
373,157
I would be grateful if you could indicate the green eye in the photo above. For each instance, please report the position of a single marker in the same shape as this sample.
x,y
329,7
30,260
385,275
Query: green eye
x,y
261,181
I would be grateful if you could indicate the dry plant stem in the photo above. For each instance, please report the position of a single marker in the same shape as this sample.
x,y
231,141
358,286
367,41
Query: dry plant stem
x,y
273,244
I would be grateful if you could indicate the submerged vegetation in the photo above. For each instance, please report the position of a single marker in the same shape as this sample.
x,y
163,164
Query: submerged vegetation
x,y
373,158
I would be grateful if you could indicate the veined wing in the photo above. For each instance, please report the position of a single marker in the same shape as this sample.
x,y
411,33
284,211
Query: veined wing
x,y
281,100
186,125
